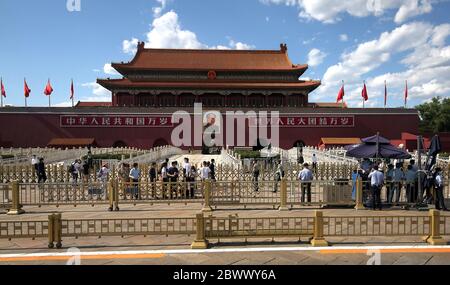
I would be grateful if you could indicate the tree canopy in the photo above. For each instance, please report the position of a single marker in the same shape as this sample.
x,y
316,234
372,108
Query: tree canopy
x,y
435,115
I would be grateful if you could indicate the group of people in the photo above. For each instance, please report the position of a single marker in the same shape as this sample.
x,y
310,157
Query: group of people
x,y
395,178
170,176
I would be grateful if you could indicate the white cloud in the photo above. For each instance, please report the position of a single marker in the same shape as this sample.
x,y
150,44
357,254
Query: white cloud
x,y
166,32
343,37
108,69
424,56
130,46
315,57
97,90
329,11
158,10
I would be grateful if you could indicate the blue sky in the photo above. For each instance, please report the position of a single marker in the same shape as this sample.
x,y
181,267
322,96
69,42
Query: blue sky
x,y
355,40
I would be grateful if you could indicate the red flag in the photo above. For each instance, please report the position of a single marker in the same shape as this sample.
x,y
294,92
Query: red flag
x,y
364,93
385,94
48,89
406,93
3,91
72,91
26,90
341,94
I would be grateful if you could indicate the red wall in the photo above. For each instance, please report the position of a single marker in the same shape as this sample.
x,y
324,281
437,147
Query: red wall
x,y
36,130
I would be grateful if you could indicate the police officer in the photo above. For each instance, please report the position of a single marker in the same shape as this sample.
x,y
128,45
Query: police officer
x,y
439,186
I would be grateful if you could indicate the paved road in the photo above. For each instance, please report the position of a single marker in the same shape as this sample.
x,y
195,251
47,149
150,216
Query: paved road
x,y
160,249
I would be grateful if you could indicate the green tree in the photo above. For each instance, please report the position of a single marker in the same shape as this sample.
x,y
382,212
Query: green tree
x,y
435,115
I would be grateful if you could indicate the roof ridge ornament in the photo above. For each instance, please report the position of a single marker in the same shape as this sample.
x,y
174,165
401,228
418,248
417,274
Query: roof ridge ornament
x,y
283,48
141,45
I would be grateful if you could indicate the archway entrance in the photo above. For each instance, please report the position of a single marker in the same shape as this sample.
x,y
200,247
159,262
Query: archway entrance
x,y
160,142
119,144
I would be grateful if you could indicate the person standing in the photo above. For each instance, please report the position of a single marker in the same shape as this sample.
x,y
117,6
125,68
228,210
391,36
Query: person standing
x,y
439,187
411,178
103,175
279,175
42,176
205,172
34,164
255,176
85,168
389,183
152,174
212,167
355,177
165,180
75,171
187,167
415,169
398,177
376,182
135,174
306,177
173,174
314,163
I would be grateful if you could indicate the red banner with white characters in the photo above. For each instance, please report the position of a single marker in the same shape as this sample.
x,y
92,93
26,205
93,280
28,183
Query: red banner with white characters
x,y
165,121
116,121
307,121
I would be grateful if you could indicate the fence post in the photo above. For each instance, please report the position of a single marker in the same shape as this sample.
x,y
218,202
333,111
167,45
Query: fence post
x,y
318,239
359,195
111,195
200,241
283,195
207,190
116,195
16,208
51,231
435,233
57,227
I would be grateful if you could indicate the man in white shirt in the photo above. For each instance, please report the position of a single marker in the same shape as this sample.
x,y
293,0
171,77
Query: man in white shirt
x,y
376,182
205,171
306,177
439,186
135,174
186,169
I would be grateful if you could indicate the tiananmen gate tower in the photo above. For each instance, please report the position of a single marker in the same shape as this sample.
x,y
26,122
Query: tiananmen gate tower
x,y
159,82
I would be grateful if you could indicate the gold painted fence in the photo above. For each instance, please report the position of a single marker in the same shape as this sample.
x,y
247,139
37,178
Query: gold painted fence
x,y
317,229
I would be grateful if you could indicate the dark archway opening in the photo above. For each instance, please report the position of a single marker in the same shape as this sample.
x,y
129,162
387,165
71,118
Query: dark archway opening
x,y
160,142
119,144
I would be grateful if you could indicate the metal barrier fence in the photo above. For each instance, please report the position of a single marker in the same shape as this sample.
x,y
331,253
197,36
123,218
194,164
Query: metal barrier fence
x,y
315,228
280,195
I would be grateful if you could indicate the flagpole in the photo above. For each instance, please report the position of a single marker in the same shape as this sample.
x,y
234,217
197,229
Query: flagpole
x,y
385,94
71,94
1,91
364,99
26,105
343,103
406,94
